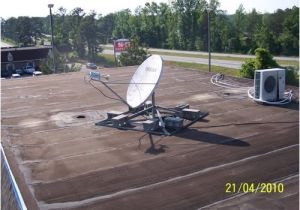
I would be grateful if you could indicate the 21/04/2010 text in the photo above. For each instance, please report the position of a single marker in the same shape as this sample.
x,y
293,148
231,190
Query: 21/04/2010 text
x,y
245,187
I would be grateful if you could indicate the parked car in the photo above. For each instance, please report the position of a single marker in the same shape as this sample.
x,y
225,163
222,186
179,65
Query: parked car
x,y
91,66
37,73
19,71
29,69
15,75
5,73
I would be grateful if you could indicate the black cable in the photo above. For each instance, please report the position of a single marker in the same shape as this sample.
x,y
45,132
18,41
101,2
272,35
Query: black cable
x,y
90,81
84,79
113,82
140,140
128,83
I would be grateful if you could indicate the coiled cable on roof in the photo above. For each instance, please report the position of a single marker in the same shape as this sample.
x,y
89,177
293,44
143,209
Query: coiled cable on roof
x,y
217,80
288,95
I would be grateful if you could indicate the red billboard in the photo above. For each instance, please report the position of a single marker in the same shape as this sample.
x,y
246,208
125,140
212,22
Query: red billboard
x,y
121,45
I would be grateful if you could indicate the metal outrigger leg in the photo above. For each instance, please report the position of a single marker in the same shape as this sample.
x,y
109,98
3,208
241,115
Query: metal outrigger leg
x,y
161,123
154,119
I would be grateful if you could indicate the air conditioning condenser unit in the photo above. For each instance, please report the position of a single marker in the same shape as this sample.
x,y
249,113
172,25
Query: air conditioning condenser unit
x,y
269,84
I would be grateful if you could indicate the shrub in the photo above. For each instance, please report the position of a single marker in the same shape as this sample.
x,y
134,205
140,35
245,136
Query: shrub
x,y
292,76
105,60
46,66
263,60
72,56
248,68
72,67
134,55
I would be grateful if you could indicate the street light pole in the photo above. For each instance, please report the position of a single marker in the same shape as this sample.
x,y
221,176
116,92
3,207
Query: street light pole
x,y
208,39
52,40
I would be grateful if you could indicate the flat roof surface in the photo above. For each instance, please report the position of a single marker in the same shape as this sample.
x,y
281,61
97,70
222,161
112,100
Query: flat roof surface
x,y
23,54
64,162
9,49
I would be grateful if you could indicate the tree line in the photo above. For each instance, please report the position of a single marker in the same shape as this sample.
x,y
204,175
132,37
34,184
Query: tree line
x,y
183,25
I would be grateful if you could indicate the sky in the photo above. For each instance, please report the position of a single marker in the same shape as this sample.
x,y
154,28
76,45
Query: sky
x,y
15,8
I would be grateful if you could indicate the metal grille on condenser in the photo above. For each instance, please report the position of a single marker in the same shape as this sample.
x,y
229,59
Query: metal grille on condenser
x,y
270,83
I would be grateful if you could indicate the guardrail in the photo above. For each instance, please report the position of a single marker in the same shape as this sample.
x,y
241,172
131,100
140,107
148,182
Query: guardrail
x,y
12,182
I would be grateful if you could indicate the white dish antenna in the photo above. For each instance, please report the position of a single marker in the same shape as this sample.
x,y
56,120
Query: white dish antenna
x,y
144,81
149,118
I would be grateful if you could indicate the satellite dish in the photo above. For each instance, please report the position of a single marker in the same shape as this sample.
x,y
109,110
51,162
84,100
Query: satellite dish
x,y
144,81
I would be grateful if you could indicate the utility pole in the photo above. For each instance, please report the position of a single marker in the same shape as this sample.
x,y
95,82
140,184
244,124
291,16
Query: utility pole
x,y
208,38
52,40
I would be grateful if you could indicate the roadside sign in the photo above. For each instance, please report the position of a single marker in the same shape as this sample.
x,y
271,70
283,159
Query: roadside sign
x,y
120,45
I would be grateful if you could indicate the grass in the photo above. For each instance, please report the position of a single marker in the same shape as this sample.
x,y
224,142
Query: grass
x,y
110,58
105,60
288,63
204,67
197,55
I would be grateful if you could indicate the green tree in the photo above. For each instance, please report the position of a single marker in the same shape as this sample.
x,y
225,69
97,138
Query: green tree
x,y
62,31
150,26
186,11
289,39
24,31
122,27
180,25
78,41
164,14
173,32
219,28
265,38
239,29
253,22
106,26
89,30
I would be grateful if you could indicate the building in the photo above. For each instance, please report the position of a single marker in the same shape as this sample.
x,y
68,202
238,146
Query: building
x,y
62,160
14,58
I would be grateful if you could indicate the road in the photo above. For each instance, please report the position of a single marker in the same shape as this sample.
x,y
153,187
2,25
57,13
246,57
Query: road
x,y
222,54
5,44
214,62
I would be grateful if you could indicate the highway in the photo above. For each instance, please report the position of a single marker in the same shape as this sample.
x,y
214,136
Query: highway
x,y
5,44
214,62
228,63
213,53
220,54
